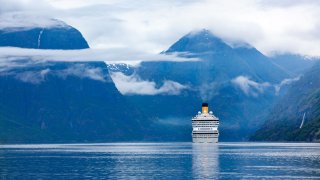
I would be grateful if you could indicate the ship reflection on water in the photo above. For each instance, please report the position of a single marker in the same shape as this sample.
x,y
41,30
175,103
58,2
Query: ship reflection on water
x,y
205,160
161,161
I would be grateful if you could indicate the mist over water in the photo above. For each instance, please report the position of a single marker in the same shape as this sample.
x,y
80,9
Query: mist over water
x,y
161,160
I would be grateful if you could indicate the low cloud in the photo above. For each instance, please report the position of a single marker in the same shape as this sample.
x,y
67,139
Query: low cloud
x,y
131,85
83,71
20,21
114,55
33,77
285,82
250,87
152,26
39,76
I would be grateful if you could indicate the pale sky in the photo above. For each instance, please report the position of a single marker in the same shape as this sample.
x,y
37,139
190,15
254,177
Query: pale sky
x,y
150,26
130,31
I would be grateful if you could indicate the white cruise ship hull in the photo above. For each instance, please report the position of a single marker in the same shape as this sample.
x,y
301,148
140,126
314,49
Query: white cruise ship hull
x,y
204,140
205,126
205,137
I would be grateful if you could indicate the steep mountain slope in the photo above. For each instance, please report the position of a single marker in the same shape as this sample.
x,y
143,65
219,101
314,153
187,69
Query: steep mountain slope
x,y
64,102
79,102
237,82
285,119
219,57
61,102
58,36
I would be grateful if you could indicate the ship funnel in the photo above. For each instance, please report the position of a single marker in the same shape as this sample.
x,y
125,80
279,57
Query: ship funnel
x,y
205,108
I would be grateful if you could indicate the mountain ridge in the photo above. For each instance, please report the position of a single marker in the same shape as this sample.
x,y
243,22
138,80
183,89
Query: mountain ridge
x,y
214,79
79,101
58,35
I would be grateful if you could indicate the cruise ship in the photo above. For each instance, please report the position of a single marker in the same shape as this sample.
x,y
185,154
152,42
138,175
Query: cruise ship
x,y
205,126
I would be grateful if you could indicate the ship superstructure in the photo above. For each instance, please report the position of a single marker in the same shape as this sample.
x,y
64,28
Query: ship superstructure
x,y
205,126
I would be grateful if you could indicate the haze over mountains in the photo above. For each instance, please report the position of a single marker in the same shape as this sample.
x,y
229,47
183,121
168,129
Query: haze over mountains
x,y
286,122
240,84
154,101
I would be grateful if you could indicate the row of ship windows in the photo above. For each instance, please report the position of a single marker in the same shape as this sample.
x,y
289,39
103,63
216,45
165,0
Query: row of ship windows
x,y
200,136
205,123
204,133
205,126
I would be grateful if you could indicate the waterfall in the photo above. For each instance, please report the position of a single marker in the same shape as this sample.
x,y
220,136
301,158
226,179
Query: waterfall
x,y
39,38
302,122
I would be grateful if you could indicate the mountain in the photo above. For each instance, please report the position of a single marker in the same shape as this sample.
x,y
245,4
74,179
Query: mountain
x,y
284,121
237,82
225,60
45,102
64,102
57,36
293,64
153,101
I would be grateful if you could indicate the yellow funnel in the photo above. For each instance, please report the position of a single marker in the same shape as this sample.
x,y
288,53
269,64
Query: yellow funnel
x,y
205,108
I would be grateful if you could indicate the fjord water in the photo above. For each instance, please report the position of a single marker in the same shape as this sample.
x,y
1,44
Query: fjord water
x,y
161,161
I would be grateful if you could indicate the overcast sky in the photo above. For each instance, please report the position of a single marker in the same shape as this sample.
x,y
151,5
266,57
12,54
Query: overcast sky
x,y
150,26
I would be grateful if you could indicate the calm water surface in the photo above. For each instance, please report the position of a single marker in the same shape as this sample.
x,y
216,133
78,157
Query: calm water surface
x,y
161,161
